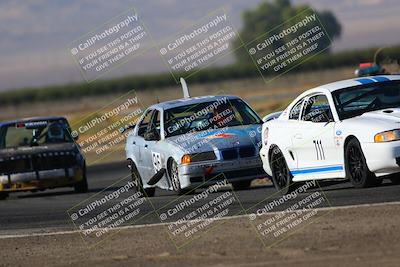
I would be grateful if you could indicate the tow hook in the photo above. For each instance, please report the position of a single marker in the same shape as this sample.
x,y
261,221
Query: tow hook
x,y
208,170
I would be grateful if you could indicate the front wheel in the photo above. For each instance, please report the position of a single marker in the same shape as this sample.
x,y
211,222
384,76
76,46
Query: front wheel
x,y
82,186
281,176
356,166
137,179
174,177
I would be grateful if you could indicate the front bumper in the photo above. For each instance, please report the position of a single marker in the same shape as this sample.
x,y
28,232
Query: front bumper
x,y
43,179
382,158
207,173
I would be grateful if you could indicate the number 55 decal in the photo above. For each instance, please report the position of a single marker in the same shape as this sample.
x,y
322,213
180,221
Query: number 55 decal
x,y
157,164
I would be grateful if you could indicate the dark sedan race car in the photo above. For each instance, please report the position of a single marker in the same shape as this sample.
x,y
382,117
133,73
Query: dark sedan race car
x,y
38,154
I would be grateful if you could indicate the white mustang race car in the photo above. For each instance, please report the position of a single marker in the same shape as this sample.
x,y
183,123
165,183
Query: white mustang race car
x,y
346,129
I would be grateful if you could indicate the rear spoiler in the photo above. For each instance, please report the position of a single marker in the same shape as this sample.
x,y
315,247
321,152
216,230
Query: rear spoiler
x,y
272,116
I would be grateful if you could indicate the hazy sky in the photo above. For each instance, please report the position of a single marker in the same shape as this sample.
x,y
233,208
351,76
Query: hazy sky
x,y
35,34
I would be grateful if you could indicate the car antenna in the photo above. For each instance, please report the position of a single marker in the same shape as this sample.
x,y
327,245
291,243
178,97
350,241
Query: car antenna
x,y
185,88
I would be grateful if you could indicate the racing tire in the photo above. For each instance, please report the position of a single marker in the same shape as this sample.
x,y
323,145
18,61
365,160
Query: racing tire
x,y
174,178
136,178
82,186
241,185
281,175
3,195
356,166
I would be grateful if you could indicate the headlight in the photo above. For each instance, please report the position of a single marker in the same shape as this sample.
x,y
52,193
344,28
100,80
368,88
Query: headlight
x,y
387,136
186,159
265,136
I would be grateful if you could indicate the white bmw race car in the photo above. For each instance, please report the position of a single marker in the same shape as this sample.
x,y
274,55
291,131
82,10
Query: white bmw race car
x,y
346,129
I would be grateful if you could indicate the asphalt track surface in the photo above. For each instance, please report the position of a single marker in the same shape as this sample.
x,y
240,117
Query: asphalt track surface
x,y
25,213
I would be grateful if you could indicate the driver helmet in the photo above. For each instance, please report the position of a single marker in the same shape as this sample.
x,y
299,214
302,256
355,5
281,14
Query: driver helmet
x,y
55,132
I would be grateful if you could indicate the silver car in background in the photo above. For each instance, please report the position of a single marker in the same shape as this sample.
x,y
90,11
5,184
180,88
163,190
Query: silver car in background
x,y
195,142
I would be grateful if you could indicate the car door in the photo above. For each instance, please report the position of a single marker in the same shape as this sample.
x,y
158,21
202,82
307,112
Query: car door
x,y
140,145
288,130
151,154
313,139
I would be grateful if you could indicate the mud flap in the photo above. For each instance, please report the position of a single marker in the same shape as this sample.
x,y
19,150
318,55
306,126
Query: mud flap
x,y
156,177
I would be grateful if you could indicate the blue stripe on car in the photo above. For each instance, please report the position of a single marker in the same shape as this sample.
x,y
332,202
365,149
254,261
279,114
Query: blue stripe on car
x,y
381,79
365,81
317,170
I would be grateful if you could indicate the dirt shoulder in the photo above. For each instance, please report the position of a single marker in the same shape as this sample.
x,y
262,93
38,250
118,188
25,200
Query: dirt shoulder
x,y
363,236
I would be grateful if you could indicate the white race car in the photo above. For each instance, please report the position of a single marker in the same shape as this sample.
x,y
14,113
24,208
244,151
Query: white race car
x,y
346,129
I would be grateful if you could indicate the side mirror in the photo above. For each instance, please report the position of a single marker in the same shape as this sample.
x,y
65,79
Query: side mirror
x,y
272,116
151,136
129,127
329,121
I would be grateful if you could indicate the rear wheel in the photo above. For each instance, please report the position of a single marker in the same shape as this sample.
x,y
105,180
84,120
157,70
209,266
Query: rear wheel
x,y
82,186
356,166
137,179
174,177
281,176
241,185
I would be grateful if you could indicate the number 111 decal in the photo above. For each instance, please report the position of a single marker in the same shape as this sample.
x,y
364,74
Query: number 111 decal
x,y
319,149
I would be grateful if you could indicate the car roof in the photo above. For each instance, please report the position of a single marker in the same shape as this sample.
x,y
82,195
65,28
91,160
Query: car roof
x,y
6,123
192,100
331,87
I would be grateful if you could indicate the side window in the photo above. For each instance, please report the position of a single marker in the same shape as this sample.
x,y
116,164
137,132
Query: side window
x,y
156,122
295,111
144,123
317,109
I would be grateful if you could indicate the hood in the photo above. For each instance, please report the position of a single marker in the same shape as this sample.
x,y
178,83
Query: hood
x,y
217,139
19,151
386,118
366,126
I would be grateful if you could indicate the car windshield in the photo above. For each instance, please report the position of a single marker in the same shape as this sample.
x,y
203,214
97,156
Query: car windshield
x,y
197,117
34,133
358,100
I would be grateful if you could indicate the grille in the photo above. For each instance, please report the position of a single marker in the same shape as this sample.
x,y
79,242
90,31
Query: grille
x,y
15,165
203,156
242,152
37,162
48,162
247,151
229,154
